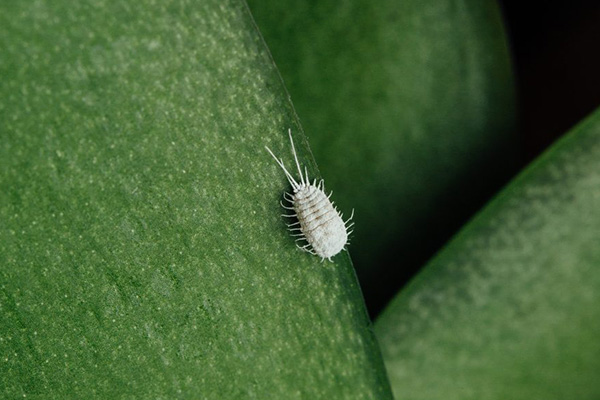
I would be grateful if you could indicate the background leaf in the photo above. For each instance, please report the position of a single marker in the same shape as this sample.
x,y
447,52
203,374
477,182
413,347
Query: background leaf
x,y
509,309
409,106
142,251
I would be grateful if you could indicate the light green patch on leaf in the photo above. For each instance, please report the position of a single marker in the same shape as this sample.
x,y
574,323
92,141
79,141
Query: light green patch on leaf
x,y
143,254
409,107
509,309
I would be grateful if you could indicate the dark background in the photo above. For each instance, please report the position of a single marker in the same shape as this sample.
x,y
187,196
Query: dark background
x,y
556,56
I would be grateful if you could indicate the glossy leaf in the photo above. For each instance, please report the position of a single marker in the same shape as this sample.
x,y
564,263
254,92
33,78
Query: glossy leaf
x,y
509,309
143,254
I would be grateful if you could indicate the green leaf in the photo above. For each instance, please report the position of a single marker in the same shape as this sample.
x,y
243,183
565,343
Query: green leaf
x,y
509,309
143,254
409,107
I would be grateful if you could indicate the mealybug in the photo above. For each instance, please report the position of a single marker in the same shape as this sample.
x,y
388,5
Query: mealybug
x,y
319,223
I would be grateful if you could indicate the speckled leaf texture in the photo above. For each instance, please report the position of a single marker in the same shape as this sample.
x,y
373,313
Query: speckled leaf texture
x,y
142,250
510,309
409,108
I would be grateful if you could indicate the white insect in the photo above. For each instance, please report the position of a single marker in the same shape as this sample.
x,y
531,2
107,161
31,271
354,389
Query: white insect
x,y
319,223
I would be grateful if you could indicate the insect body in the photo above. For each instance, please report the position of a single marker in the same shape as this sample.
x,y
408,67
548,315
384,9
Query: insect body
x,y
319,223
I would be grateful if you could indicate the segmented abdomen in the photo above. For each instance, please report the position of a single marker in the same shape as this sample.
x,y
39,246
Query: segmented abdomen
x,y
320,223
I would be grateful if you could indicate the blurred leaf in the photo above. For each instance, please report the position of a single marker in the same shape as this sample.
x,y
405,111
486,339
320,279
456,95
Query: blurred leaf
x,y
409,107
142,250
509,309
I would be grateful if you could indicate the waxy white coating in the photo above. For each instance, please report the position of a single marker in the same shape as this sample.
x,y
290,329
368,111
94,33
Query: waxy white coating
x,y
319,223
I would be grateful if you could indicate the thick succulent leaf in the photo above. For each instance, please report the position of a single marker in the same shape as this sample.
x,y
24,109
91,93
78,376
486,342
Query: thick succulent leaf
x,y
143,254
510,308
409,107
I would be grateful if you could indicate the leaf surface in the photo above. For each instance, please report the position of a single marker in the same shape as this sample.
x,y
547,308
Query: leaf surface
x,y
142,249
509,309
